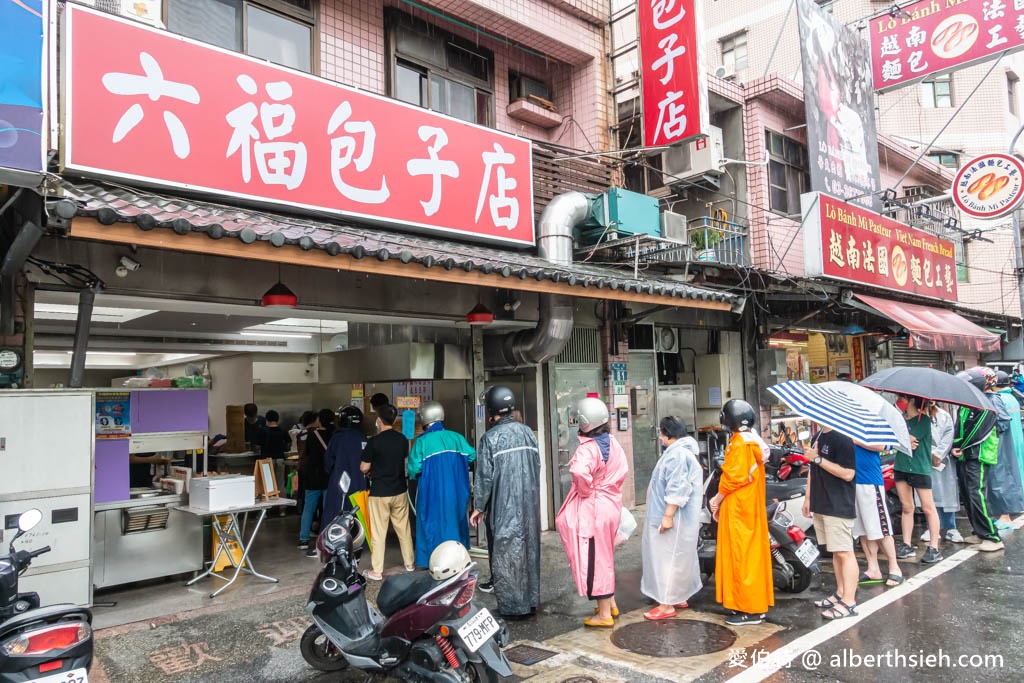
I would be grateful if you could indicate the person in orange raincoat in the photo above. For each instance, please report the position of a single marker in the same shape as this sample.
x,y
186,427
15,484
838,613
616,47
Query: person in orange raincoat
x,y
743,567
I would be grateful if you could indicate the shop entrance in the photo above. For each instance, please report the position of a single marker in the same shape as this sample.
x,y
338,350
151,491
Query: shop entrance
x,y
571,382
642,381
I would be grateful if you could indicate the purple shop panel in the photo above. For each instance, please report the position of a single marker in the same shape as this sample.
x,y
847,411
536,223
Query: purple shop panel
x,y
112,472
170,410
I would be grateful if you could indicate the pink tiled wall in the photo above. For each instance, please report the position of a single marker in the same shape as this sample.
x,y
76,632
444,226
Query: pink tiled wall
x,y
570,34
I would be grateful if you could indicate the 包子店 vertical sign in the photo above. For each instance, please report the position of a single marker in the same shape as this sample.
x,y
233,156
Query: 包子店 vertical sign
x,y
675,93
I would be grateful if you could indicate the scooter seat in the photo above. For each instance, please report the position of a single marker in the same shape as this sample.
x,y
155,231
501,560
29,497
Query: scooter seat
x,y
785,490
401,590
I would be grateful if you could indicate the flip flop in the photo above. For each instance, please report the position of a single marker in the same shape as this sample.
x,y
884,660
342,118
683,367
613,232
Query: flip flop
x,y
682,605
656,615
867,580
894,577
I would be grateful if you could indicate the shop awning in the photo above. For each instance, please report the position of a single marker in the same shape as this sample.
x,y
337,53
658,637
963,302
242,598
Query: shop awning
x,y
120,214
935,329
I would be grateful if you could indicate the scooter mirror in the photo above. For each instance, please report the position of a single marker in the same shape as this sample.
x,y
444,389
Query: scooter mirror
x,y
29,519
346,482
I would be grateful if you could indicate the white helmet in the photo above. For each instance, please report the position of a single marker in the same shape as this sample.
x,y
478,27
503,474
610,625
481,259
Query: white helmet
x,y
591,413
448,560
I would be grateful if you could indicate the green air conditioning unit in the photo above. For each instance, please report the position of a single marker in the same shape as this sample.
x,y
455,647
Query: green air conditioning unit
x,y
619,213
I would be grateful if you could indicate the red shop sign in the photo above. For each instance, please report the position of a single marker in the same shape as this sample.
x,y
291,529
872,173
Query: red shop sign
x,y
846,242
150,107
675,89
934,36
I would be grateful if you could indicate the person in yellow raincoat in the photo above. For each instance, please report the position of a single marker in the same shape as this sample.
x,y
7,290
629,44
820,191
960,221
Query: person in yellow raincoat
x,y
743,566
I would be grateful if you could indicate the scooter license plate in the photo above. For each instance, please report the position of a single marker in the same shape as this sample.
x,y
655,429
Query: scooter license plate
x,y
478,630
76,676
807,552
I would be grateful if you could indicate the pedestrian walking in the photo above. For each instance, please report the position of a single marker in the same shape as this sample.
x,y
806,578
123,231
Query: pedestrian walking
x,y
671,532
1005,489
439,460
913,475
383,463
314,480
945,490
344,456
873,525
743,563
589,518
506,495
832,504
975,446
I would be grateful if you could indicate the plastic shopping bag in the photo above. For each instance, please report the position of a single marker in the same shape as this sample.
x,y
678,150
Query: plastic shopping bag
x,y
627,525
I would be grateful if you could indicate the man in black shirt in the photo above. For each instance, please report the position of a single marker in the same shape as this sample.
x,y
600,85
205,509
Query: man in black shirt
x,y
832,502
383,463
276,443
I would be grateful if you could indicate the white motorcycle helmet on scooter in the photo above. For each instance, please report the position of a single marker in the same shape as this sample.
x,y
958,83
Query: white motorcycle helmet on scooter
x,y
448,559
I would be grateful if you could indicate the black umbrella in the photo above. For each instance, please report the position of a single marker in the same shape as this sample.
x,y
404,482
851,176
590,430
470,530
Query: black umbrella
x,y
930,384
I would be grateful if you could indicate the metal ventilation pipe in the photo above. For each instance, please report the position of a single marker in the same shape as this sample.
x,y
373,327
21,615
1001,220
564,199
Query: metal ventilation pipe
x,y
549,337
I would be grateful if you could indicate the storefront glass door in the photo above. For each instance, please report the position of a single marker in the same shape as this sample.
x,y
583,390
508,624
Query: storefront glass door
x,y
642,373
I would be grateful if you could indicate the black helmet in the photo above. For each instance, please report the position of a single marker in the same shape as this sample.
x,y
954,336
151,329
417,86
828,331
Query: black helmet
x,y
499,401
350,417
974,376
737,415
1002,378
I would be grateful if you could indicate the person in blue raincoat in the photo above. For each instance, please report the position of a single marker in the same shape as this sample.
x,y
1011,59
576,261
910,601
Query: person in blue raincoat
x,y
343,454
671,570
440,460
1006,488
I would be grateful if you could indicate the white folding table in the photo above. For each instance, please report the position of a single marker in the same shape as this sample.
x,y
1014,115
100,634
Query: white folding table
x,y
230,530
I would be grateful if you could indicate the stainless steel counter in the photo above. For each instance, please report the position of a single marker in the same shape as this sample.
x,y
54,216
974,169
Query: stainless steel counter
x,y
144,538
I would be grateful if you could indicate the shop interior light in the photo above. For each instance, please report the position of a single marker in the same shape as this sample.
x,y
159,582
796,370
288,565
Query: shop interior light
x,y
276,335
279,296
480,315
106,353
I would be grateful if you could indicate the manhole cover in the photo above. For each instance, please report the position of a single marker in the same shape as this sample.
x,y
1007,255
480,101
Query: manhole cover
x,y
673,638
580,679
528,655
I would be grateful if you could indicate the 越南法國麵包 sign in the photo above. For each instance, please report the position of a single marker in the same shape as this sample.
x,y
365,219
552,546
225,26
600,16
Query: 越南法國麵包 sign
x,y
989,186
150,107
928,37
846,242
672,77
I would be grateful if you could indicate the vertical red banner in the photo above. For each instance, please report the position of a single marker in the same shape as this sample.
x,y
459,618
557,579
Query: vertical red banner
x,y
675,92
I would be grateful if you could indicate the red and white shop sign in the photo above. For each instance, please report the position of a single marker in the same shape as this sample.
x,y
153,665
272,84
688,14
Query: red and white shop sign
x,y
675,89
933,36
989,186
150,107
846,242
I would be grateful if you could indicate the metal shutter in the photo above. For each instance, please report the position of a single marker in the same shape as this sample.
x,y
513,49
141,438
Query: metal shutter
x,y
903,355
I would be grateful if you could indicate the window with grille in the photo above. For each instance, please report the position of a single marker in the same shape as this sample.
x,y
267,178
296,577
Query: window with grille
x,y
1011,93
947,159
938,92
788,173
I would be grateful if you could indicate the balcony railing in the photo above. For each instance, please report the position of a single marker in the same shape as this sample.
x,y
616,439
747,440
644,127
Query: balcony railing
x,y
716,240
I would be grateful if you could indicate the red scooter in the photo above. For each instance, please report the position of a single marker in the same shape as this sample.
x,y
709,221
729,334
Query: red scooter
x,y
422,629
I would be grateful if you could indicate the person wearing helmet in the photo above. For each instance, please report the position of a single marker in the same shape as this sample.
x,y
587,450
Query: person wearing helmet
x,y
589,519
439,460
344,452
1005,391
973,448
743,563
1004,489
507,490
447,560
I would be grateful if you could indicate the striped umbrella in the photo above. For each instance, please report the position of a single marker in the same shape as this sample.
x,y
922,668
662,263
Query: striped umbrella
x,y
838,410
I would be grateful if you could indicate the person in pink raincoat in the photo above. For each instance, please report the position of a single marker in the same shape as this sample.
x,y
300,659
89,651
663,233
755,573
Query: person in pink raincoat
x,y
590,516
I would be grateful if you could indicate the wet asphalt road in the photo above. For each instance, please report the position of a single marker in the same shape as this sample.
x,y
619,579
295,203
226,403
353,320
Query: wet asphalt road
x,y
973,609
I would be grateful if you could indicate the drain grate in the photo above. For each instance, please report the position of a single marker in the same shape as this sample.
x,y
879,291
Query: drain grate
x,y
528,655
673,638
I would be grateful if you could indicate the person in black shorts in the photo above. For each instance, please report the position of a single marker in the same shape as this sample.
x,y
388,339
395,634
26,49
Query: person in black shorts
x,y
913,474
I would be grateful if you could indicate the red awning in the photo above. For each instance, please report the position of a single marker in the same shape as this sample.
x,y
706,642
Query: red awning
x,y
935,329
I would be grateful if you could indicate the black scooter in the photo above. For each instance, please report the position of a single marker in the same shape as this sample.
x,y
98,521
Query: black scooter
x,y
39,644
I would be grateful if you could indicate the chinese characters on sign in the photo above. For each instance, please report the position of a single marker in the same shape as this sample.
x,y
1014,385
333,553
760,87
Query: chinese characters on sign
x,y
153,108
842,146
846,242
989,186
933,36
674,86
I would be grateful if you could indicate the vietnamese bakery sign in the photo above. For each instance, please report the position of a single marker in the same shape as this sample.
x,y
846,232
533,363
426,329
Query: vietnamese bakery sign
x,y
847,242
989,186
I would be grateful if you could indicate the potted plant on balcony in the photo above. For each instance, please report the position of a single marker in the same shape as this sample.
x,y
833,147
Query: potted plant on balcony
x,y
703,241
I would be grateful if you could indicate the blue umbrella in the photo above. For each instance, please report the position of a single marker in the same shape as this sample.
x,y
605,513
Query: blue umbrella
x,y
838,410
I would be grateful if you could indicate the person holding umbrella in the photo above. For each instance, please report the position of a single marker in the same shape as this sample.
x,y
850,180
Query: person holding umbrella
x,y
973,428
913,474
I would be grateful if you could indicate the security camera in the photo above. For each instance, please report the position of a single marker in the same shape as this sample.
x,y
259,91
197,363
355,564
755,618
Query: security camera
x,y
130,263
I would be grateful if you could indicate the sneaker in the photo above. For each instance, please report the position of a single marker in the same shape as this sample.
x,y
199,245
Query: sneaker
x,y
744,619
990,546
926,536
485,587
972,540
931,556
954,536
312,552
303,545
904,551
372,575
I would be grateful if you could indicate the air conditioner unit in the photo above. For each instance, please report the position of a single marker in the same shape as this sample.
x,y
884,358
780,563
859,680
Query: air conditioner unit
x,y
666,339
727,71
702,157
673,226
525,88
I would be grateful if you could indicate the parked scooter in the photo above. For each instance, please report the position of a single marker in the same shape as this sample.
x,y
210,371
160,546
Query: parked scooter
x,y
425,627
786,462
39,644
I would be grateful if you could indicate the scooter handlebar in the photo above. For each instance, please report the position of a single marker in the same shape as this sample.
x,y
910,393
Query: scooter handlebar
x,y
37,553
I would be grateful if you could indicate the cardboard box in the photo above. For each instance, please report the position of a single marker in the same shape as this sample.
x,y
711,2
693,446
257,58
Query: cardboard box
x,y
182,473
172,485
223,492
